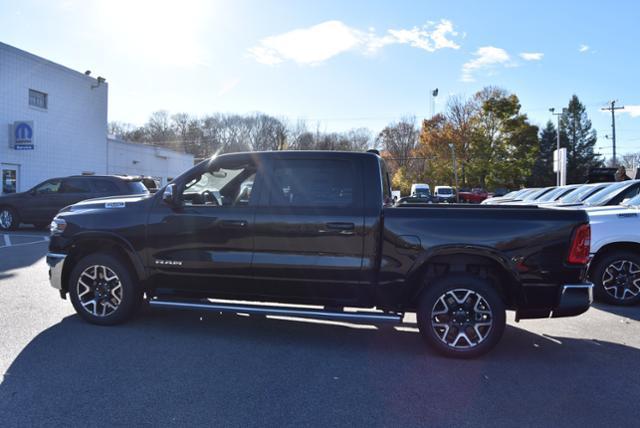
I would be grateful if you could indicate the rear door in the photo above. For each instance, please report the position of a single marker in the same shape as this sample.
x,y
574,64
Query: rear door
x,y
308,243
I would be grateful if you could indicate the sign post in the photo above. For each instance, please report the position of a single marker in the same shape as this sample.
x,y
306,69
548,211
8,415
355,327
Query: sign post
x,y
560,164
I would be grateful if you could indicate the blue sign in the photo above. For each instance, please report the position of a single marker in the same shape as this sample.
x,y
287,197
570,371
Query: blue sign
x,y
23,136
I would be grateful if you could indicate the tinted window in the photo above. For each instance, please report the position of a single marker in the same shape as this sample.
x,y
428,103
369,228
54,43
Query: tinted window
x,y
51,186
607,193
136,187
75,185
309,183
105,186
227,185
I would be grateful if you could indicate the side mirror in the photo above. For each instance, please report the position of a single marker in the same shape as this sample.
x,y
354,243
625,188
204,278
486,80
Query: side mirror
x,y
169,195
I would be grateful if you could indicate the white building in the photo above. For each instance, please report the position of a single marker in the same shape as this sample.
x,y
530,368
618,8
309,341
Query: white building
x,y
125,158
53,123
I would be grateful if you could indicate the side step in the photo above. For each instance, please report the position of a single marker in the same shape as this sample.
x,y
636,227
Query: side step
x,y
278,310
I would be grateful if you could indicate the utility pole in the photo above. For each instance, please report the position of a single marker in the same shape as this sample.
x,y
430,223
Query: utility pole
x,y
455,170
612,108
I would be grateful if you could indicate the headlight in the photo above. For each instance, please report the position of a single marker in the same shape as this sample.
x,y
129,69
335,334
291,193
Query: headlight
x,y
57,226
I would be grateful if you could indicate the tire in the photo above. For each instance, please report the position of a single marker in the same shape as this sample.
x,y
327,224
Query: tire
x,y
96,284
461,316
616,277
9,219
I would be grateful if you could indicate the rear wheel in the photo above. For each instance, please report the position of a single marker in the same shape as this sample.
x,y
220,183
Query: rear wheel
x,y
461,316
8,219
616,277
102,290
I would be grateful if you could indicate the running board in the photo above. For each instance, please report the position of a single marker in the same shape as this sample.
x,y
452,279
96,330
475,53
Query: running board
x,y
278,310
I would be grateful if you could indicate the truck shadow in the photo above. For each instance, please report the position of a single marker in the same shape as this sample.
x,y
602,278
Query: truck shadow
x,y
172,368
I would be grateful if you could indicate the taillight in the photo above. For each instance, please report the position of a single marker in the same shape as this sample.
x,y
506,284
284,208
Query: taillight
x,y
580,245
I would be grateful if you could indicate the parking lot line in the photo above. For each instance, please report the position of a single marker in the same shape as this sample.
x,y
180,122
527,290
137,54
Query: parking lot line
x,y
7,241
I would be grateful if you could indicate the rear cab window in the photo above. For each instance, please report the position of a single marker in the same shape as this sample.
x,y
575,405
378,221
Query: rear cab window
x,y
316,183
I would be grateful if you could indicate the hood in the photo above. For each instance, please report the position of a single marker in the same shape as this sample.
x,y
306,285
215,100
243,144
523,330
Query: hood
x,y
111,202
10,196
601,213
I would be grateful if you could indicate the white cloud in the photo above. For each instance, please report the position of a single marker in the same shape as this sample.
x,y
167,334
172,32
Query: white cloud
x,y
318,43
631,110
583,48
487,58
531,56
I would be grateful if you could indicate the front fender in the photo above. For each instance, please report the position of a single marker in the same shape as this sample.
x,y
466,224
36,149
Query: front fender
x,y
98,239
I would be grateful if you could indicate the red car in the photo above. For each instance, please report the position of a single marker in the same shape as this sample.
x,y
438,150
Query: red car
x,y
475,196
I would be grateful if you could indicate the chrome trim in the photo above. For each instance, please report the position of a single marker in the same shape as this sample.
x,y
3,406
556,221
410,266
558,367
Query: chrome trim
x,y
56,265
282,311
587,285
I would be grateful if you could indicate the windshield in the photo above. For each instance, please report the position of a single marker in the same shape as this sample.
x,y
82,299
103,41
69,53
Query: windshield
x,y
554,194
445,191
535,195
581,193
607,194
633,202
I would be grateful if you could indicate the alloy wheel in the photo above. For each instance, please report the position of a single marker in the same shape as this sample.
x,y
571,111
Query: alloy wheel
x,y
6,219
99,290
621,280
461,318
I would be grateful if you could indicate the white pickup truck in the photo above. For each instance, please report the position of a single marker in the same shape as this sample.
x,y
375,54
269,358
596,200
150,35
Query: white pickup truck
x,y
615,252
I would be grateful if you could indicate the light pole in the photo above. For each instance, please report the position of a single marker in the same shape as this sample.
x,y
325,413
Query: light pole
x,y
455,169
552,110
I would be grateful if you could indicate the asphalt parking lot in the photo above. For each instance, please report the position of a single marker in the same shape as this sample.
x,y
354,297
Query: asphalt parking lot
x,y
185,368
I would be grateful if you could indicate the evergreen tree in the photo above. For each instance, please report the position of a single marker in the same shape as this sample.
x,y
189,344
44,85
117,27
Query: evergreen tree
x,y
542,174
579,139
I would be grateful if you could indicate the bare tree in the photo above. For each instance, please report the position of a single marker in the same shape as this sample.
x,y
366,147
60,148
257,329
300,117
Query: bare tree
x,y
399,140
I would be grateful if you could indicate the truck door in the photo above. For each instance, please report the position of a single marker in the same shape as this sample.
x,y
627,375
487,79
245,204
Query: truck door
x,y
309,228
205,243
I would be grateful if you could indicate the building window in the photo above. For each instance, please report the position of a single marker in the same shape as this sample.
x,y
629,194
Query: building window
x,y
37,99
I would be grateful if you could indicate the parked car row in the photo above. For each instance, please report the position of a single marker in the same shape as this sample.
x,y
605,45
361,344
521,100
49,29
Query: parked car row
x,y
614,216
421,193
40,204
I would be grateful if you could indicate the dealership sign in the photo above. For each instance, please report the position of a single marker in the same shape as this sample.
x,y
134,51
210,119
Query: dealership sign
x,y
22,135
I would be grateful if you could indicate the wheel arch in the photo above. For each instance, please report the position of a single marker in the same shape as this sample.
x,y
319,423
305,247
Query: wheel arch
x,y
90,243
475,261
610,248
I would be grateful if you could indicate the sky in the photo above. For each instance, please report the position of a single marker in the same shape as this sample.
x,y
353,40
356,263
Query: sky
x,y
343,64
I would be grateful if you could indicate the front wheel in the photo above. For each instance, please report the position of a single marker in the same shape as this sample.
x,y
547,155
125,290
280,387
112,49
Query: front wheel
x,y
8,219
461,316
616,277
102,290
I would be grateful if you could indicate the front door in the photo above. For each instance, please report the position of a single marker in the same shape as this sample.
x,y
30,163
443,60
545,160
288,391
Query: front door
x,y
204,242
309,229
10,177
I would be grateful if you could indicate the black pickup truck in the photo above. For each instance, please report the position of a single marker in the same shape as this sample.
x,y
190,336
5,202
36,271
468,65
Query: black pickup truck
x,y
308,234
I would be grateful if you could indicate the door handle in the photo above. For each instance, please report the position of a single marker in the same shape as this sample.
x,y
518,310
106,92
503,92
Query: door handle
x,y
233,223
341,228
